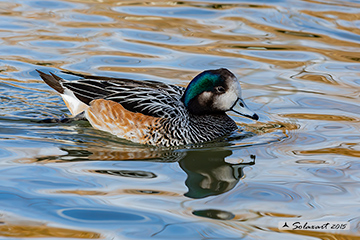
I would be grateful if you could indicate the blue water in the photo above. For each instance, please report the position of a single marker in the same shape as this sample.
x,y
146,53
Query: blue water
x,y
298,64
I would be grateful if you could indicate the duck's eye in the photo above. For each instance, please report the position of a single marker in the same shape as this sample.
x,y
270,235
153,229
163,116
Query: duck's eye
x,y
219,89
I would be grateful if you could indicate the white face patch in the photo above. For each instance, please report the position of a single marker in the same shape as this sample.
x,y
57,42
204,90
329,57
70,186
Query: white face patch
x,y
205,96
225,101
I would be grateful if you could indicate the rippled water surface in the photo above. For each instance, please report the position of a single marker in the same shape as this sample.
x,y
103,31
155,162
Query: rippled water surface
x,y
298,63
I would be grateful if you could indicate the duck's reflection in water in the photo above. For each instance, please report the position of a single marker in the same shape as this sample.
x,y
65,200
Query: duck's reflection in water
x,y
208,172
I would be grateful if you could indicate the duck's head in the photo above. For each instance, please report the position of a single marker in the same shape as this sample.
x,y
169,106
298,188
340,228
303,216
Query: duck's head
x,y
216,91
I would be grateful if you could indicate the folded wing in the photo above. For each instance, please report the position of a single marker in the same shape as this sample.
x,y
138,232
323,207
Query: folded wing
x,y
151,98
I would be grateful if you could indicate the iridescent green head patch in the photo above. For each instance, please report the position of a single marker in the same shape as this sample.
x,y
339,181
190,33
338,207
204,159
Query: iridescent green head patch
x,y
205,81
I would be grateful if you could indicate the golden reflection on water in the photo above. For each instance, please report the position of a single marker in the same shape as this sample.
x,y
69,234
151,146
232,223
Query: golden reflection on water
x,y
324,117
279,215
44,231
328,79
344,149
269,127
217,43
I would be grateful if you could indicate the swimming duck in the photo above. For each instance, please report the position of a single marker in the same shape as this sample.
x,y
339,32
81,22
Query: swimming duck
x,y
155,113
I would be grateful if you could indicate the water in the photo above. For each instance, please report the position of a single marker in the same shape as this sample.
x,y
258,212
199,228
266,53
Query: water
x,y
298,63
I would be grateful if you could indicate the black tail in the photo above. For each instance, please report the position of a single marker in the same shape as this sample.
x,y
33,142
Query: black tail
x,y
52,80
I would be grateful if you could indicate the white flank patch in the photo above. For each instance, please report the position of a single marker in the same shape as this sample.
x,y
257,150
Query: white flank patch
x,y
74,105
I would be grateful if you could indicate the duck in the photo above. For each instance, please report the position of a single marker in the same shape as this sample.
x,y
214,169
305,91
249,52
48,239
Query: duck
x,y
156,113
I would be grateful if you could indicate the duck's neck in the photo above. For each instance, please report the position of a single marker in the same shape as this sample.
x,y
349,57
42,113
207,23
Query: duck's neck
x,y
193,129
203,128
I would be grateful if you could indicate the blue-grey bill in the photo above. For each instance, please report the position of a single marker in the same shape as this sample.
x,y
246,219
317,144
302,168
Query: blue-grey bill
x,y
243,110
